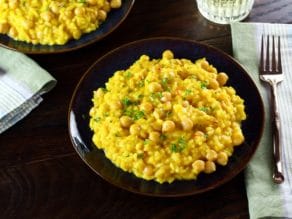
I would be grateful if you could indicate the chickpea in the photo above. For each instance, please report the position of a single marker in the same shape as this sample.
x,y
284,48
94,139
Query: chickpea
x,y
154,136
91,2
148,171
213,84
211,155
106,7
135,129
79,11
102,15
99,93
222,78
117,105
115,3
146,107
168,126
205,65
237,138
126,121
166,96
92,111
69,14
13,4
48,16
13,32
39,34
222,158
55,8
185,103
167,54
27,24
157,125
143,134
158,113
154,87
4,27
144,58
210,167
167,106
198,134
187,124
199,166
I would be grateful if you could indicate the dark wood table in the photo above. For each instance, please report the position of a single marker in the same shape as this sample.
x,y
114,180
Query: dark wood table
x,y
41,176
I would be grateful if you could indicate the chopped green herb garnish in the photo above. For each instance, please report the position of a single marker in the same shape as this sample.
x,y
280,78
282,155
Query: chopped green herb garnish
x,y
97,119
140,156
146,141
168,113
187,92
174,148
128,74
157,95
164,83
203,85
204,109
163,137
141,83
179,146
117,134
138,115
104,89
126,101
134,114
81,1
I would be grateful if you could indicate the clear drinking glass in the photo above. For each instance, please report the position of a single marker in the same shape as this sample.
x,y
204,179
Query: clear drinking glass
x,y
225,11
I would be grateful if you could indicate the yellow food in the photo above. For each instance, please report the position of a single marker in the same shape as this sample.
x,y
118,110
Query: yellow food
x,y
51,22
176,118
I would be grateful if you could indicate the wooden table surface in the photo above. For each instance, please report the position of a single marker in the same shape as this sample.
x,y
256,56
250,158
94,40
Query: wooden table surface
x,y
41,176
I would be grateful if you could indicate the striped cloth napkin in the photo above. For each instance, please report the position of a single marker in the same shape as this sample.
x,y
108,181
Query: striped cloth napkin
x,y
266,199
22,82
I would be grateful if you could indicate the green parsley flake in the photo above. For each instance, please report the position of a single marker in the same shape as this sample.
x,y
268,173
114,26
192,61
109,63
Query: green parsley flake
x,y
126,101
128,74
203,85
179,146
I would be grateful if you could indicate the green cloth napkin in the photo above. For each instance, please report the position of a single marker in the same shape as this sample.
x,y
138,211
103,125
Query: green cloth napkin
x,y
266,199
22,82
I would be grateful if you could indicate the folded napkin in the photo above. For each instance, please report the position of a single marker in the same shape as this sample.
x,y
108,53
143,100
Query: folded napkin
x,y
22,82
266,199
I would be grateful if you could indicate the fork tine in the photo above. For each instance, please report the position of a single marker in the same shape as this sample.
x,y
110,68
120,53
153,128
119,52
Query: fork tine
x,y
262,55
279,56
274,64
267,67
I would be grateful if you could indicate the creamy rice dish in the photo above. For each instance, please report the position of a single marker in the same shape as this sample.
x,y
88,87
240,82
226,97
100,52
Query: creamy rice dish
x,y
167,119
51,22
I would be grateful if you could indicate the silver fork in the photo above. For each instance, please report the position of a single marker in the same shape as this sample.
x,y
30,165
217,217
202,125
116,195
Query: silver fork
x,y
271,71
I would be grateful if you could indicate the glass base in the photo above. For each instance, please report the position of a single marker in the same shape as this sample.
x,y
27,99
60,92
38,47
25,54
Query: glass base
x,y
223,20
225,11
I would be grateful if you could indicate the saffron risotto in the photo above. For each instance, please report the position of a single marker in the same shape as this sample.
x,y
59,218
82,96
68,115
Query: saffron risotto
x,y
51,22
167,119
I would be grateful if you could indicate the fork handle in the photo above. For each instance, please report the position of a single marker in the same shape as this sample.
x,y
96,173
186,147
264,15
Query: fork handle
x,y
277,175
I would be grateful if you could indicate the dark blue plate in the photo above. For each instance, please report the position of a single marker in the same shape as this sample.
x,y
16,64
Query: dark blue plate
x,y
122,58
114,19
